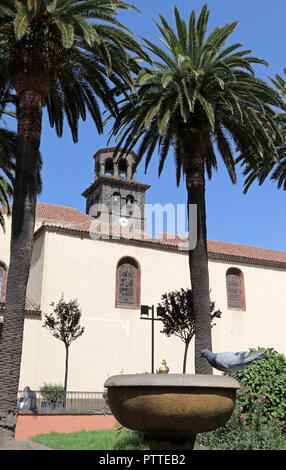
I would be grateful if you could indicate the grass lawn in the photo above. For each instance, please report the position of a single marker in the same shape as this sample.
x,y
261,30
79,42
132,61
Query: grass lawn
x,y
92,440
100,440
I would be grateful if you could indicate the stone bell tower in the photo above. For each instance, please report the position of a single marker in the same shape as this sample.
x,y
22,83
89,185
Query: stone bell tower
x,y
115,192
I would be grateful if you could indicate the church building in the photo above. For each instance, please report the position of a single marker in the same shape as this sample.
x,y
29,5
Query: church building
x,y
105,260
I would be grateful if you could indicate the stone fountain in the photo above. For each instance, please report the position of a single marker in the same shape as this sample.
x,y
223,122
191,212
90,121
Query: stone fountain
x,y
171,408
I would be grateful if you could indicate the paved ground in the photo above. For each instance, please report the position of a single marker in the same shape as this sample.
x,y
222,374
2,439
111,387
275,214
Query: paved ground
x,y
24,445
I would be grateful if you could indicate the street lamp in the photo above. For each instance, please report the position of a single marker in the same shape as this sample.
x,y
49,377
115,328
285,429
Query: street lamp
x,y
144,315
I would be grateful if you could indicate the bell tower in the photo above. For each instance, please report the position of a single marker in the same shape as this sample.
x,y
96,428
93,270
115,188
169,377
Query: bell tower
x,y
115,192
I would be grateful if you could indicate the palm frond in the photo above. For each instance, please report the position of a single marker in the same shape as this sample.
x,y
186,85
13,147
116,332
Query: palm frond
x,y
200,95
67,32
21,22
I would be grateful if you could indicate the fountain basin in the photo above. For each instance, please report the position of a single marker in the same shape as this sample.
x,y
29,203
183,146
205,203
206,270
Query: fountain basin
x,y
171,408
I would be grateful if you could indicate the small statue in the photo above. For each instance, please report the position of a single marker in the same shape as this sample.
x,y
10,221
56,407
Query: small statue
x,y
164,369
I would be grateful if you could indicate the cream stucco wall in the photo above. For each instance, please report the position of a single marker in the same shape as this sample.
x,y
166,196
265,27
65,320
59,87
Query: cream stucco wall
x,y
116,340
264,321
35,285
5,240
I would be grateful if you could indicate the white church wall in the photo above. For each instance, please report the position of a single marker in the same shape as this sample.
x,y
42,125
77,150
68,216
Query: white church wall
x,y
30,363
116,340
5,236
36,284
263,323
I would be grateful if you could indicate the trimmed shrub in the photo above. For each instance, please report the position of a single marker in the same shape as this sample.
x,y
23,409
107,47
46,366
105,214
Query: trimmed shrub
x,y
52,393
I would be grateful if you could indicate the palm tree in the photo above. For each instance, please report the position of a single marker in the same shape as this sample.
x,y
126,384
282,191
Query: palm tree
x,y
65,55
7,167
8,145
198,96
258,169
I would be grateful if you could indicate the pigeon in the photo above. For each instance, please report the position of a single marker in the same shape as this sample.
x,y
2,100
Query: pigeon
x,y
230,362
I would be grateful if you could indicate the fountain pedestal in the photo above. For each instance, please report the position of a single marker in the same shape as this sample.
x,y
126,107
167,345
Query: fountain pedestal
x,y
171,408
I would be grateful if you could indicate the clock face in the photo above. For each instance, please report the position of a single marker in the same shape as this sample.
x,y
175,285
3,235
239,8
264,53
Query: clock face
x,y
124,222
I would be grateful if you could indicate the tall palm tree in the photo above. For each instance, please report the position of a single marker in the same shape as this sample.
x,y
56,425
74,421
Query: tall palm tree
x,y
7,167
258,169
198,96
8,145
65,55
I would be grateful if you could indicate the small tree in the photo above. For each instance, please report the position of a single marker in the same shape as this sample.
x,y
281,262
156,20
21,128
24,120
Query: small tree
x,y
177,313
64,325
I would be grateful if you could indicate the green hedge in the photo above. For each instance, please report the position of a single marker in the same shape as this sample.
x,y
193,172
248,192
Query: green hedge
x,y
263,383
240,433
52,393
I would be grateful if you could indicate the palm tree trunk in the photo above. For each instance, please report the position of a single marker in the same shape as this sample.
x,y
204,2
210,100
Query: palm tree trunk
x,y
198,257
23,221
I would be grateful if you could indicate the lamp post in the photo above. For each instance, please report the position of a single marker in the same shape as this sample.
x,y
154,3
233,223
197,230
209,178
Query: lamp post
x,y
144,315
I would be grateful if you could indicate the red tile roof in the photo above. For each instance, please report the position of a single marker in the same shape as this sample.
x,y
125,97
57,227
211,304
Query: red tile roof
x,y
78,222
243,251
46,211
216,250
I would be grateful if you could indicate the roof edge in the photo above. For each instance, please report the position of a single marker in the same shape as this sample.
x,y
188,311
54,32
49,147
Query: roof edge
x,y
158,245
117,180
111,150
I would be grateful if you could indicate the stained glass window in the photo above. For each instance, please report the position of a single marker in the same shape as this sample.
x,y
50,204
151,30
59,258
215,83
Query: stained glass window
x,y
235,289
127,289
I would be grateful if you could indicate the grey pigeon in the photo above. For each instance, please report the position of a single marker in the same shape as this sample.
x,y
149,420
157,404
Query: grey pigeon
x,y
230,362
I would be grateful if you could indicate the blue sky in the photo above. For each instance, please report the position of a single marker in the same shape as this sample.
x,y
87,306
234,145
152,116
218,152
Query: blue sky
x,y
256,219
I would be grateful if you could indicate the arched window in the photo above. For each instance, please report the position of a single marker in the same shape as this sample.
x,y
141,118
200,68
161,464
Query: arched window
x,y
129,204
122,168
116,198
127,284
129,200
108,170
116,202
235,289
